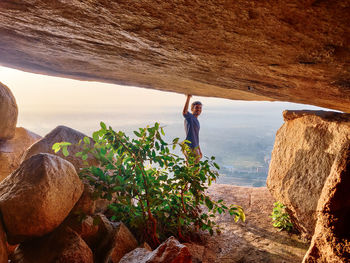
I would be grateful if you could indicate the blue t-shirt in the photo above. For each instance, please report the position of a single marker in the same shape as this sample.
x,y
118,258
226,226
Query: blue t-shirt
x,y
192,129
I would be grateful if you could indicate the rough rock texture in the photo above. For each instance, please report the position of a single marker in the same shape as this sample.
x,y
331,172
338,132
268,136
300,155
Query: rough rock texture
x,y
255,240
37,197
112,241
305,149
171,251
124,242
61,246
12,150
3,246
8,112
60,134
197,252
253,50
331,241
86,228
86,204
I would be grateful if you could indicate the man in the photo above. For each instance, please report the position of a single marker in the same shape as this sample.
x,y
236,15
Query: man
x,y
192,126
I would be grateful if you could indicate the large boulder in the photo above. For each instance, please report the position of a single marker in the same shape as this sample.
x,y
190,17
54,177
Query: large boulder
x,y
8,113
3,245
331,241
11,151
61,134
38,196
61,246
171,251
305,149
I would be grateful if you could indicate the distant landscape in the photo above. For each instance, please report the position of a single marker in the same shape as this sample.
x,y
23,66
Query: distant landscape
x,y
241,138
239,133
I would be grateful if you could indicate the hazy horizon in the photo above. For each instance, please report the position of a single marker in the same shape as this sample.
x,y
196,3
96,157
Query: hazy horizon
x,y
239,133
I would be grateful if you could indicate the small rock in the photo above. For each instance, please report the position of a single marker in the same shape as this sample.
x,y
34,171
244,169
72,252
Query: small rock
x,y
11,151
8,113
38,196
138,255
113,242
61,246
146,246
86,205
171,251
85,228
123,240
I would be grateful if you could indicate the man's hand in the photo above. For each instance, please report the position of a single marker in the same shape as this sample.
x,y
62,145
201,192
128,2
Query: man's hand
x,y
185,110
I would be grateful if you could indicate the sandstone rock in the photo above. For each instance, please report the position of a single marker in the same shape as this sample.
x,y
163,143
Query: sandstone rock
x,y
250,50
86,204
38,196
171,251
124,242
8,113
102,205
138,255
331,241
146,246
12,150
61,246
305,149
11,249
112,241
85,228
3,246
197,252
60,134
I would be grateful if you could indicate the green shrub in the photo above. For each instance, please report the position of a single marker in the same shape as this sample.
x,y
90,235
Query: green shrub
x,y
280,217
155,192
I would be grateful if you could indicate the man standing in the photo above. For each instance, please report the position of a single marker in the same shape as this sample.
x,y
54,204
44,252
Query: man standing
x,y
192,126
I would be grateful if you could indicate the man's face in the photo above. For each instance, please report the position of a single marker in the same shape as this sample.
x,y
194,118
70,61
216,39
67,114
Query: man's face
x,y
197,109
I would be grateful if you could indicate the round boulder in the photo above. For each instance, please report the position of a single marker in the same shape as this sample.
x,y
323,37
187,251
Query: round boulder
x,y
61,246
8,113
38,196
61,134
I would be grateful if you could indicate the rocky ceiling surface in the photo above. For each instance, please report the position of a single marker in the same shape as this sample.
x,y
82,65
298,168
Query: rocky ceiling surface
x,y
296,51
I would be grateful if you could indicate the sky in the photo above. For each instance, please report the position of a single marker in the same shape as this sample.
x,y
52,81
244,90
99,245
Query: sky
x,y
45,102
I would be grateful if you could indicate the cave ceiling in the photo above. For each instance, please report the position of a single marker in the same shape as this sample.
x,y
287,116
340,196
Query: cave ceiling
x,y
296,51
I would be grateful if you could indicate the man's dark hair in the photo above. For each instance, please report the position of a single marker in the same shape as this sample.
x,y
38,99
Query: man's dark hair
x,y
195,103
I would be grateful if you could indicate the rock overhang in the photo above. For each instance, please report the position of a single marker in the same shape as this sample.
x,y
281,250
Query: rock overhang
x,y
295,51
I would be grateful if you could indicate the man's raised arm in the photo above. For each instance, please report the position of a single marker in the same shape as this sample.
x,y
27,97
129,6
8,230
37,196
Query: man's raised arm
x,y
185,110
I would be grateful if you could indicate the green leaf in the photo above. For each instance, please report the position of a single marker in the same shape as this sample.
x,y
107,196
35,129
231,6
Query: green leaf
x,y
103,125
216,166
137,134
56,147
65,151
87,140
208,203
